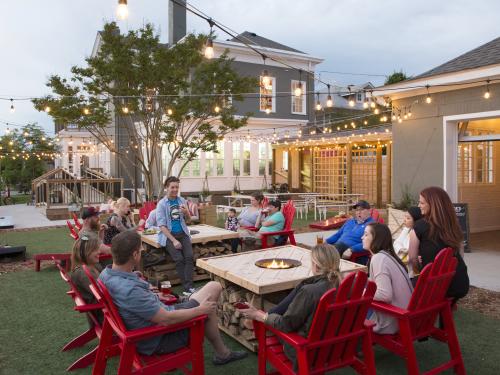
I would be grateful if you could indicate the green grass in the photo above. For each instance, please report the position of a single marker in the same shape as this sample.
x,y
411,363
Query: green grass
x,y
18,199
37,319
54,240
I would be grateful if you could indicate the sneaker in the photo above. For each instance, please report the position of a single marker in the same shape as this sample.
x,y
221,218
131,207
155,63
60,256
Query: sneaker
x,y
233,356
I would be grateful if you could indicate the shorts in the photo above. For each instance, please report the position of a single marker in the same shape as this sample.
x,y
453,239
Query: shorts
x,y
171,342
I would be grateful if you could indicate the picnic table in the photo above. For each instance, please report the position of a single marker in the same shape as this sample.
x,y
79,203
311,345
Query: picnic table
x,y
241,276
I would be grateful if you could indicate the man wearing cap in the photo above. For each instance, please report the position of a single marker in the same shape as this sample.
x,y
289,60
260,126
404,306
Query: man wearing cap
x,y
91,223
348,239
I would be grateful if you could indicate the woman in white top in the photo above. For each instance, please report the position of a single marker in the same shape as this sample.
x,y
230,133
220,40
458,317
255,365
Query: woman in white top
x,y
402,243
389,273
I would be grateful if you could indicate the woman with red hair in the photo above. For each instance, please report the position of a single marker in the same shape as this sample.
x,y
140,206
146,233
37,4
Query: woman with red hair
x,y
437,230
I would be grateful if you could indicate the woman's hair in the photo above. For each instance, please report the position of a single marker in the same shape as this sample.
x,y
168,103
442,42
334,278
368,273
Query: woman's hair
x,y
327,260
443,222
83,247
382,240
121,202
258,196
415,213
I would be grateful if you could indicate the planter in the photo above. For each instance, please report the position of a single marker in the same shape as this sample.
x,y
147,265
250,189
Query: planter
x,y
395,220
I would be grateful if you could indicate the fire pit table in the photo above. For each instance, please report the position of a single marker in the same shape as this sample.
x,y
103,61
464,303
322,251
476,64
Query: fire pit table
x,y
244,277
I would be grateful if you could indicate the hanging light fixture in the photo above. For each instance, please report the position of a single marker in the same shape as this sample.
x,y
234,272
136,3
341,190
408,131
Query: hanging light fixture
x,y
372,101
122,10
318,103
12,109
329,101
487,92
209,47
428,98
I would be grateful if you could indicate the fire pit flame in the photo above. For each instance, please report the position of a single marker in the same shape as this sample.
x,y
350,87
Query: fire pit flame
x,y
277,264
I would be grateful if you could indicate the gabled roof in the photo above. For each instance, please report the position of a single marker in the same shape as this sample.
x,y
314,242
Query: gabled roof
x,y
256,40
487,54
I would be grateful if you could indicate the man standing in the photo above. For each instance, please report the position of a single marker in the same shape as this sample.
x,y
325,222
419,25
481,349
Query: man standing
x,y
139,307
171,216
348,239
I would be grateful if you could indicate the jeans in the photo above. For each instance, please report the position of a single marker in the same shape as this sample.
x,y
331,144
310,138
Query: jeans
x,y
341,247
183,258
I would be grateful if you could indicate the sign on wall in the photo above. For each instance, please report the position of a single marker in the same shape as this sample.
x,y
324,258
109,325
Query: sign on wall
x,y
462,212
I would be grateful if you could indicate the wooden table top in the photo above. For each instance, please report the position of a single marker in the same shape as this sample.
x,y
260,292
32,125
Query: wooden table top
x,y
241,270
207,233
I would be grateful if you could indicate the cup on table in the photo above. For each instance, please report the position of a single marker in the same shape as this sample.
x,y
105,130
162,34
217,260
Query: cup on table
x,y
319,239
166,288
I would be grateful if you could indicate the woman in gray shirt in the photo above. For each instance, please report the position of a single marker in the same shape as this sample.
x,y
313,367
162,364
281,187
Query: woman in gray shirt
x,y
388,271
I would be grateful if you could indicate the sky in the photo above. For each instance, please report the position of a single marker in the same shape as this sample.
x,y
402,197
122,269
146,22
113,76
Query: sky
x,y
40,38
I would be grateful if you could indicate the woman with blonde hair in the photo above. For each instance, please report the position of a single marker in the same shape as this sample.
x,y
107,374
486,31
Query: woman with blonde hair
x,y
295,313
121,220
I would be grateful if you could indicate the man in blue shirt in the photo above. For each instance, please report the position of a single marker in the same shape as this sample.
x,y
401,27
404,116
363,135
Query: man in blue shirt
x,y
348,239
171,216
139,307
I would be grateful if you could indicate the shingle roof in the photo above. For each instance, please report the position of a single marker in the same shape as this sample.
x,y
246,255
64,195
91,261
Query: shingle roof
x,y
256,40
487,54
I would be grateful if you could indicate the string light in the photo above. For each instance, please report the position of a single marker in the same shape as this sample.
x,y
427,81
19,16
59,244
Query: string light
x,y
428,99
209,47
170,111
217,108
86,111
298,90
12,109
122,10
47,109
329,101
487,92
125,109
318,103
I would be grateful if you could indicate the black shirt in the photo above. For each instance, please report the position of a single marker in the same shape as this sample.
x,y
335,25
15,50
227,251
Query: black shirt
x,y
428,249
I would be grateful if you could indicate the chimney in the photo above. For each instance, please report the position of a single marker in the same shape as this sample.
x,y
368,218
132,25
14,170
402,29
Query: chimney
x,y
176,21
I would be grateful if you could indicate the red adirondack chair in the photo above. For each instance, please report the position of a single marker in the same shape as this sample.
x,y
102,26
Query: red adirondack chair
x,y
132,361
365,253
94,325
76,221
287,233
418,320
338,325
72,232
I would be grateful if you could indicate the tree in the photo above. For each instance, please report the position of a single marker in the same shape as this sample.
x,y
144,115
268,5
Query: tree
x,y
163,95
396,77
24,155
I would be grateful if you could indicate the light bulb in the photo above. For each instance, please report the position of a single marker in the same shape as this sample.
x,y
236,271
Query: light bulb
x,y
329,102
409,114
318,106
86,111
170,111
428,99
351,103
393,117
372,104
47,109
487,94
209,49
122,10
268,110
217,109
376,111
400,120
365,122
365,105
125,109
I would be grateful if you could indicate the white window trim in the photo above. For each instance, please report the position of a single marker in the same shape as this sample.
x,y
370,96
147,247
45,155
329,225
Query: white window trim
x,y
304,97
273,95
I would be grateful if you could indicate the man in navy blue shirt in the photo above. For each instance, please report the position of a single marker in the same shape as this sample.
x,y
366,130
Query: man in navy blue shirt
x,y
139,307
348,239
172,214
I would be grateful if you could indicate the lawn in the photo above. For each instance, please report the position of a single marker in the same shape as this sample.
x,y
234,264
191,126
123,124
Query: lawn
x,y
37,319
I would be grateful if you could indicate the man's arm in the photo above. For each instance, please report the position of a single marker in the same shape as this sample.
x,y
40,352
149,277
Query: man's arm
x,y
335,237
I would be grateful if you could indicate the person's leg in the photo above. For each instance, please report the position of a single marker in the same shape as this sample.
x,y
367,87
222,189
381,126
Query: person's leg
x,y
211,292
187,253
235,242
178,259
341,247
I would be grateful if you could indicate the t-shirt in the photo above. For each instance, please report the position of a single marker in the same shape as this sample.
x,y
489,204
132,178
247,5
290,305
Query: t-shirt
x,y
428,249
232,223
175,215
136,303
279,223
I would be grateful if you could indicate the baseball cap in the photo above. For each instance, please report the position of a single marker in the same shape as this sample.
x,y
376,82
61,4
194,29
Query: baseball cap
x,y
362,204
89,212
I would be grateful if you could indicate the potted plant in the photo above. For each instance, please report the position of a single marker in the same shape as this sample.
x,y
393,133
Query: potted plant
x,y
205,191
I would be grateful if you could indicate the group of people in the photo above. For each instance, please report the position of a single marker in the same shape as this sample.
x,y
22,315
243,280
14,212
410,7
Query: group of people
x,y
430,227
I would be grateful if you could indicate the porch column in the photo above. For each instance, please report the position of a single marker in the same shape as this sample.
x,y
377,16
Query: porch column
x,y
349,167
379,175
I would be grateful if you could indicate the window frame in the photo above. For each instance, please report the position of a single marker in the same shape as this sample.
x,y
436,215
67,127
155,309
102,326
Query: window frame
x,y
272,96
303,96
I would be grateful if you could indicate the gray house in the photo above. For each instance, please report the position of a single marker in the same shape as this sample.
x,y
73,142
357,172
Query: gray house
x,y
449,132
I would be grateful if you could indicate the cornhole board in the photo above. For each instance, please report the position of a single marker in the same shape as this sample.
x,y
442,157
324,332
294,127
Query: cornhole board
x,y
13,251
6,222
332,223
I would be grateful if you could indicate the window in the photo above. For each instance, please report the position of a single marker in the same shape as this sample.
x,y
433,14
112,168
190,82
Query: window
x,y
236,158
268,95
285,161
299,102
219,156
70,155
359,97
192,168
209,163
246,159
475,163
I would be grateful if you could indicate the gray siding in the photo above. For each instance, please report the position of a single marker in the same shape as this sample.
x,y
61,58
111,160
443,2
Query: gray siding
x,y
418,143
284,77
